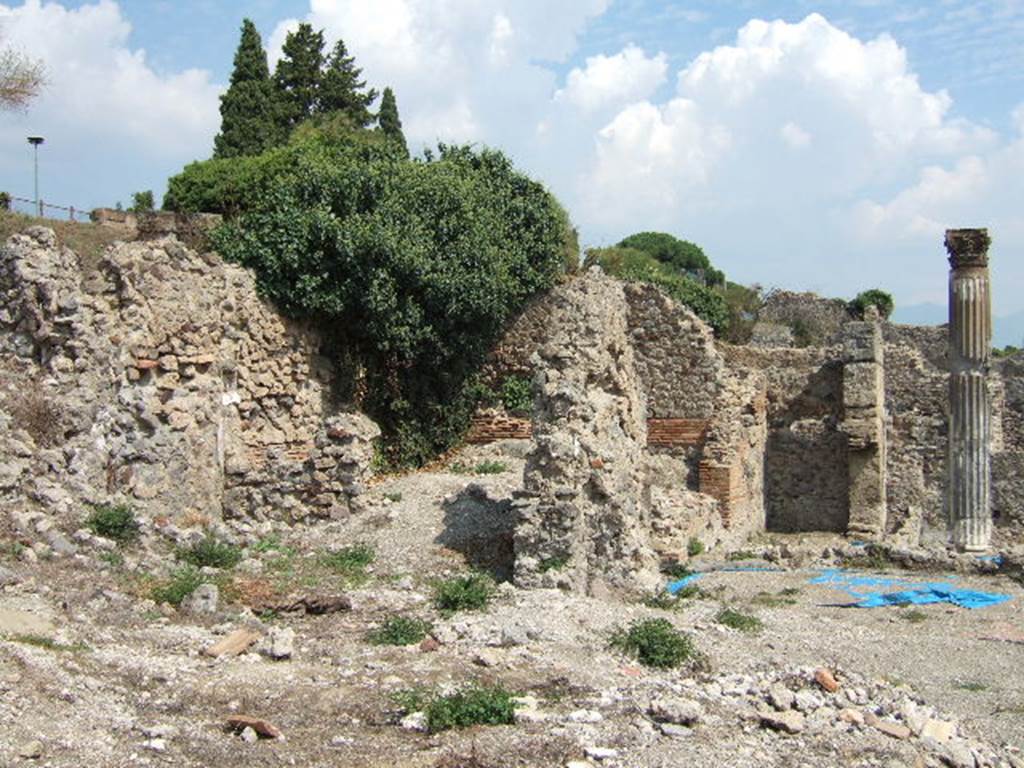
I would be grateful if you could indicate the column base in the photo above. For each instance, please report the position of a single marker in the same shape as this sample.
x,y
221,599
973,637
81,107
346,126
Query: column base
x,y
971,535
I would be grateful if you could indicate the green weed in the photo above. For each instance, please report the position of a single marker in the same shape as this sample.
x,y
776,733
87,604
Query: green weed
x,y
349,562
210,552
41,641
181,583
400,630
654,643
113,521
475,705
463,593
742,622
694,547
556,563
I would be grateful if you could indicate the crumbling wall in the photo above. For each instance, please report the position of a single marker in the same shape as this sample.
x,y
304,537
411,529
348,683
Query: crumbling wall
x,y
806,484
585,520
680,370
174,385
1008,460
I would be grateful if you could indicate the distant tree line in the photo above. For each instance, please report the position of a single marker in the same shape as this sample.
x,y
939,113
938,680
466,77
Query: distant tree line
x,y
261,110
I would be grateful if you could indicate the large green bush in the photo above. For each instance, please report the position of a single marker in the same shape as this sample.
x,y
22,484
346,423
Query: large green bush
x,y
681,255
415,265
637,266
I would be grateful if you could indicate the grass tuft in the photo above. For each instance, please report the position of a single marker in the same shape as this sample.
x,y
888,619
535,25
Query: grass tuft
x,y
742,622
41,641
181,583
349,562
210,552
556,563
400,630
475,705
694,547
463,593
914,616
654,643
114,521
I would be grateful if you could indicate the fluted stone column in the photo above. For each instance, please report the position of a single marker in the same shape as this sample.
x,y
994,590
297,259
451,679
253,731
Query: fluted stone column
x,y
970,413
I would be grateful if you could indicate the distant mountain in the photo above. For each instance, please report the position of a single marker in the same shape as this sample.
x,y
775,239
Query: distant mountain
x,y
920,314
1008,329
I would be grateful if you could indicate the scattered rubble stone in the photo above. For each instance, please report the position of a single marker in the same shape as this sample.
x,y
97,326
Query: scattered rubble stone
x,y
279,643
789,721
888,727
263,727
235,643
676,710
826,680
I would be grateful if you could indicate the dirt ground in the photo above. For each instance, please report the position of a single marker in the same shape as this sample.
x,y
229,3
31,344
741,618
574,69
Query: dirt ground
x,y
94,673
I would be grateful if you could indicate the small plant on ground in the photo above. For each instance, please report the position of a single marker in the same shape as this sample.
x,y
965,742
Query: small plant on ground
x,y
663,600
410,699
742,622
772,601
654,643
181,583
349,562
270,543
676,571
463,593
396,497
400,630
113,559
475,705
969,685
914,616
41,641
210,552
743,554
113,521
490,468
555,563
694,547
790,591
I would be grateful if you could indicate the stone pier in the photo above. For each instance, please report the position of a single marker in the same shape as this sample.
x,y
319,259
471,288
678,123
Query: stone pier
x,y
970,412
864,425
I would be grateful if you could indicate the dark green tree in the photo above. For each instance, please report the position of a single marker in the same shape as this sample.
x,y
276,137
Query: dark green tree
x,y
299,74
247,109
682,255
342,90
142,202
389,121
874,297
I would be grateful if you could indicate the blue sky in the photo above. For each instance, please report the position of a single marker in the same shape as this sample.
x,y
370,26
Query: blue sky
x,y
821,146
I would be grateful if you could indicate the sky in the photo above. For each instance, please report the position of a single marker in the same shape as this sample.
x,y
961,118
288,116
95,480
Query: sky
x,y
818,146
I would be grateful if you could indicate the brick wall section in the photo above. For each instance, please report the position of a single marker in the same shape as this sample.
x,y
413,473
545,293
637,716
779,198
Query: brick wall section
x,y
724,483
490,427
676,433
661,433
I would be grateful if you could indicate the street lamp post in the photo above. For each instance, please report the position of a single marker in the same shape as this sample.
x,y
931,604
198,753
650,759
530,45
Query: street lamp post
x,y
35,141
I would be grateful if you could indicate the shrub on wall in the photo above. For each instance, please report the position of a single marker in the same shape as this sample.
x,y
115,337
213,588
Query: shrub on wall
x,y
414,264
874,297
636,266
682,256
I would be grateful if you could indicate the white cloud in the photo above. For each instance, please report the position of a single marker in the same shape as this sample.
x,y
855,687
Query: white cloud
x,y
624,77
98,84
104,103
883,165
795,136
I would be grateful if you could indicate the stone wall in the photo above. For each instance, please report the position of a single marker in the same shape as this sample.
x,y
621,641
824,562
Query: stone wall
x,y
169,384
806,486
585,521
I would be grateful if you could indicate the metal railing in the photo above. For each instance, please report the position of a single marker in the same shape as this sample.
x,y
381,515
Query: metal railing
x,y
30,207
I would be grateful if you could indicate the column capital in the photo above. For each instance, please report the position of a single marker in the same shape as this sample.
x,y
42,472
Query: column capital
x,y
967,247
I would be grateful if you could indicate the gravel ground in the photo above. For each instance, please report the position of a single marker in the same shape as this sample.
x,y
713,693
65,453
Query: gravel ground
x,y
92,672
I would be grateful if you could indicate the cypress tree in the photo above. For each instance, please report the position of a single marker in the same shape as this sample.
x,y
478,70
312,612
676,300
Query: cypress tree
x,y
298,75
388,120
248,108
342,90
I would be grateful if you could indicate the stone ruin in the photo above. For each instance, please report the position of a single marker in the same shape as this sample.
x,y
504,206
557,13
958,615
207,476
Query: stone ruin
x,y
161,379
158,377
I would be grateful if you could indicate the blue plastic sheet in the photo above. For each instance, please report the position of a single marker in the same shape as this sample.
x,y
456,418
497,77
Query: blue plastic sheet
x,y
676,586
877,591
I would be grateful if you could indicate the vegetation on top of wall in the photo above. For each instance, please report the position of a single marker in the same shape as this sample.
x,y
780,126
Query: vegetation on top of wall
x,y
875,297
414,264
637,266
682,256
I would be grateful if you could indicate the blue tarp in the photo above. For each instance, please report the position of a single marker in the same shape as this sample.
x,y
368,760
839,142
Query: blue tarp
x,y
676,586
877,591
